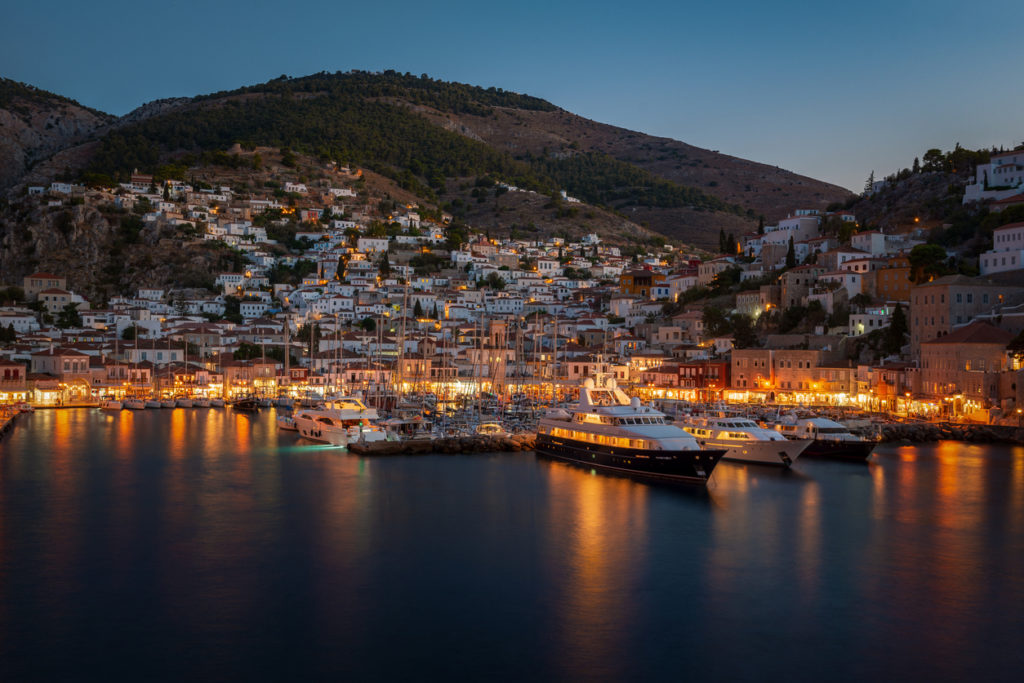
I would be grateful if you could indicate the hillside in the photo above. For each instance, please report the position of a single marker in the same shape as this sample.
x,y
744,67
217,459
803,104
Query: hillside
x,y
35,124
760,188
435,138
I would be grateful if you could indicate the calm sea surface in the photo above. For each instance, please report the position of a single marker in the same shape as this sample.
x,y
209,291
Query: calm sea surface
x,y
200,544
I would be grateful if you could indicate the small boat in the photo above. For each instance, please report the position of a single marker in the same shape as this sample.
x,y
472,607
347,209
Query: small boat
x,y
24,407
183,402
246,404
216,403
287,423
135,404
491,429
201,402
153,403
405,429
110,403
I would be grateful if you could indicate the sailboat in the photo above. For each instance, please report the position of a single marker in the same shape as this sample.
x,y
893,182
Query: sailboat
x,y
134,401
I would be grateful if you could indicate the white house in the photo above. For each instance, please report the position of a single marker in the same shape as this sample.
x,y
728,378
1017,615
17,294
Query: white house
x,y
1001,177
1007,251
372,245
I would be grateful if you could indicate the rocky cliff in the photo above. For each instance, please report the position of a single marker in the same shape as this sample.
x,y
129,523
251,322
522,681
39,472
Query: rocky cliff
x,y
104,253
35,125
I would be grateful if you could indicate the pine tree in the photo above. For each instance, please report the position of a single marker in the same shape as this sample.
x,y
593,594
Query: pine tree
x,y
790,254
895,332
434,315
417,310
916,168
760,226
870,183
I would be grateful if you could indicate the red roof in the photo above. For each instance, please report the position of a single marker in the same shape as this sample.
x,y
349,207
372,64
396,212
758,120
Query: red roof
x,y
1010,226
59,352
1015,199
46,275
978,332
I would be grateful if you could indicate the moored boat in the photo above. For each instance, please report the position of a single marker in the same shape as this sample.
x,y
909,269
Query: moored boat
x,y
491,429
183,402
153,403
405,429
610,431
346,421
745,441
134,404
286,423
201,402
829,439
167,403
216,402
247,404
110,403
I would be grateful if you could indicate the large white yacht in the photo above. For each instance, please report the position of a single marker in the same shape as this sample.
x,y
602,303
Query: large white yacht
x,y
607,429
344,421
744,441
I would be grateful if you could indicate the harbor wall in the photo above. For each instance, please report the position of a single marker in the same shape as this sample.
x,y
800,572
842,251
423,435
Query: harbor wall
x,y
946,431
447,446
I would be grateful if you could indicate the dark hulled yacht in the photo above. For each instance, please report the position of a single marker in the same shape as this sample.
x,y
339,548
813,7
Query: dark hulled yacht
x,y
609,431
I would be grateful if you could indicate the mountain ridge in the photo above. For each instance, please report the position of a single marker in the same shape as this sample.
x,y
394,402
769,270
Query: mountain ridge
x,y
678,190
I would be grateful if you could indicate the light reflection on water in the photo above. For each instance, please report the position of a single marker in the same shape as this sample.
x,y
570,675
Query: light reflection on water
x,y
203,543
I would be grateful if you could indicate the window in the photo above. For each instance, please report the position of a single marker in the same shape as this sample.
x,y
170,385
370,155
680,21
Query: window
x,y
970,298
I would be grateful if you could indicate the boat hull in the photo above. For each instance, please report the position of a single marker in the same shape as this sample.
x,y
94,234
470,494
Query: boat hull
x,y
857,451
690,466
782,453
309,429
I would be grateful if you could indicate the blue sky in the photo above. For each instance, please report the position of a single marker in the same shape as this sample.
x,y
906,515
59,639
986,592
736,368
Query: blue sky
x,y
831,90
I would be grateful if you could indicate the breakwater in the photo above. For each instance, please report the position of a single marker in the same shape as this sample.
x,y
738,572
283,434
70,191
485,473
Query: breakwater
x,y
947,431
447,446
7,418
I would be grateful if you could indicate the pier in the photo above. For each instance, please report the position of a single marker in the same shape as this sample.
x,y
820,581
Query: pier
x,y
7,416
446,446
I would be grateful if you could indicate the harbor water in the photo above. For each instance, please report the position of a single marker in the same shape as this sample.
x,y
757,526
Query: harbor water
x,y
194,544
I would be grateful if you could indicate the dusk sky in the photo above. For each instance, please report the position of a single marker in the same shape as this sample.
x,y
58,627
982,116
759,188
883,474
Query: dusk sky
x,y
830,90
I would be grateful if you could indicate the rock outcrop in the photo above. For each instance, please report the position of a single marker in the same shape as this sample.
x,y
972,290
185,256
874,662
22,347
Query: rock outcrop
x,y
945,431
35,125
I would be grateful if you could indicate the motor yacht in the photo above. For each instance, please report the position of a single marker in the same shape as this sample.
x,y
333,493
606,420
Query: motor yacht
x,y
343,421
743,440
609,430
829,439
